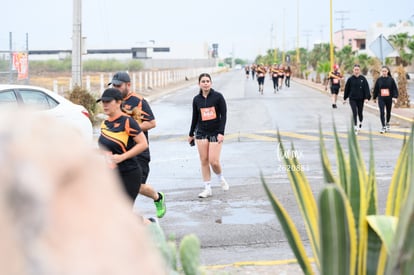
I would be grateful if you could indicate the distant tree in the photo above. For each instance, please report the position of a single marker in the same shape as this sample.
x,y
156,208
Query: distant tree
x,y
400,42
346,58
323,68
364,61
320,53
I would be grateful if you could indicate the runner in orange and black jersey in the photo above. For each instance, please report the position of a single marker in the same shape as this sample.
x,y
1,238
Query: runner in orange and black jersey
x,y
117,138
334,78
136,106
274,74
141,114
261,71
122,140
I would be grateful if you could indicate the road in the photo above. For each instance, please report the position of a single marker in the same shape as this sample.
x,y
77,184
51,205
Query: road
x,y
239,225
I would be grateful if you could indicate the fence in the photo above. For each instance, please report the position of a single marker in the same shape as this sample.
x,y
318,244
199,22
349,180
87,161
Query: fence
x,y
142,81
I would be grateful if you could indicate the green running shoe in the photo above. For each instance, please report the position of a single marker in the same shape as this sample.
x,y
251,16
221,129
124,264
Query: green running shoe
x,y
160,205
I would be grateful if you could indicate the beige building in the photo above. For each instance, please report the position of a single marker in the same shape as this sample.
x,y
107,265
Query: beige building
x,y
352,37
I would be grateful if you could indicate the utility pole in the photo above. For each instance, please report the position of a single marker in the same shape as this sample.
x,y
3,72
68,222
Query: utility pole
x,y
11,57
283,37
307,33
27,52
77,44
342,19
297,39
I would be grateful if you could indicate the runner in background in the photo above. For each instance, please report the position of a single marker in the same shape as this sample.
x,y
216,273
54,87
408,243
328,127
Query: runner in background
x,y
288,72
261,72
275,77
253,70
247,71
334,78
385,90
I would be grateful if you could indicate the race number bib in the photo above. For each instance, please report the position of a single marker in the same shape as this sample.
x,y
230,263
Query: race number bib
x,y
385,92
208,113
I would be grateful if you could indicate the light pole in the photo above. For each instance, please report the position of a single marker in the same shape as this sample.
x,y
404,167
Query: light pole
x,y
331,47
77,44
297,39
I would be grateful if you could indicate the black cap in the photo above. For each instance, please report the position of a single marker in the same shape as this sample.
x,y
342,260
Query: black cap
x,y
119,78
110,94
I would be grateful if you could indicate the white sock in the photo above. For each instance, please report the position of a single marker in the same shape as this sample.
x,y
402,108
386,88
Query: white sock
x,y
220,177
207,184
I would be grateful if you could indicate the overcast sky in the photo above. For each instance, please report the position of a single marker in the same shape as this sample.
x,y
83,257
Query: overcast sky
x,y
236,25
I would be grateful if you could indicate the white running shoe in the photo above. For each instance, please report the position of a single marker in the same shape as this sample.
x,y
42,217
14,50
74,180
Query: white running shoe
x,y
224,184
206,193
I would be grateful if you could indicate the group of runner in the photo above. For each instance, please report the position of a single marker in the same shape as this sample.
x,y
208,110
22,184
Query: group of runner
x,y
358,92
277,72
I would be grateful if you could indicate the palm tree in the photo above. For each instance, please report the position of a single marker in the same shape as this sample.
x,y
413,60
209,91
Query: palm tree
x,y
346,58
363,60
400,42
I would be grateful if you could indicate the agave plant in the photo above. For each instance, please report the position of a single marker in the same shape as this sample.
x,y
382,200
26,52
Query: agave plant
x,y
345,230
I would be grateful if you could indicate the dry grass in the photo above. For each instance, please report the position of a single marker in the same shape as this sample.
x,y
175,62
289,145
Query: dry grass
x,y
47,80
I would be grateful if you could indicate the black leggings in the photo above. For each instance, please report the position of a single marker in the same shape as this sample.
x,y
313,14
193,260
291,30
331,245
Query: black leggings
x,y
275,82
387,103
287,81
260,80
357,107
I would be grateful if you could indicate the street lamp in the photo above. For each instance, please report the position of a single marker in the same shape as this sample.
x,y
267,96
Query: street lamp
x,y
331,46
297,39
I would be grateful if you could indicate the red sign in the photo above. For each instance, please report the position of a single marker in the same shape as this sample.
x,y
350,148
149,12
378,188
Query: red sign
x,y
21,65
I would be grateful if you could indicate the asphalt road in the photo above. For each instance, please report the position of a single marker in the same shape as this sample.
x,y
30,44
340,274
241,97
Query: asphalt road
x,y
239,225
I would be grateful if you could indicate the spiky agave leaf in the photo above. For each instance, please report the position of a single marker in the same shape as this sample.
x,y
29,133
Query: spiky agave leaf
x,y
304,197
338,234
290,231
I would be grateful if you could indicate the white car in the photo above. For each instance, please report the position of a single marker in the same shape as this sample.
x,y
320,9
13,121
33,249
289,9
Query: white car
x,y
47,102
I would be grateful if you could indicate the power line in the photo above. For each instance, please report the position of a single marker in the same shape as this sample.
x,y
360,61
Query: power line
x,y
342,19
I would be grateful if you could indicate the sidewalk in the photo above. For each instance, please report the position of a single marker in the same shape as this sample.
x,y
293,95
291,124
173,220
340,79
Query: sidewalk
x,y
399,116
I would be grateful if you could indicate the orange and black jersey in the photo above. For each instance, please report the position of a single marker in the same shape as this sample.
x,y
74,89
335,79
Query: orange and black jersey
x,y
209,114
117,137
335,78
130,102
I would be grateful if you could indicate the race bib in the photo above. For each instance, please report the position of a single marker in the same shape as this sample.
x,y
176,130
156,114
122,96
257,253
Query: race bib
x,y
208,113
385,92
335,81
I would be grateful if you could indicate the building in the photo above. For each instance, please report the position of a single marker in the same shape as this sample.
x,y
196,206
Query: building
x,y
352,37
